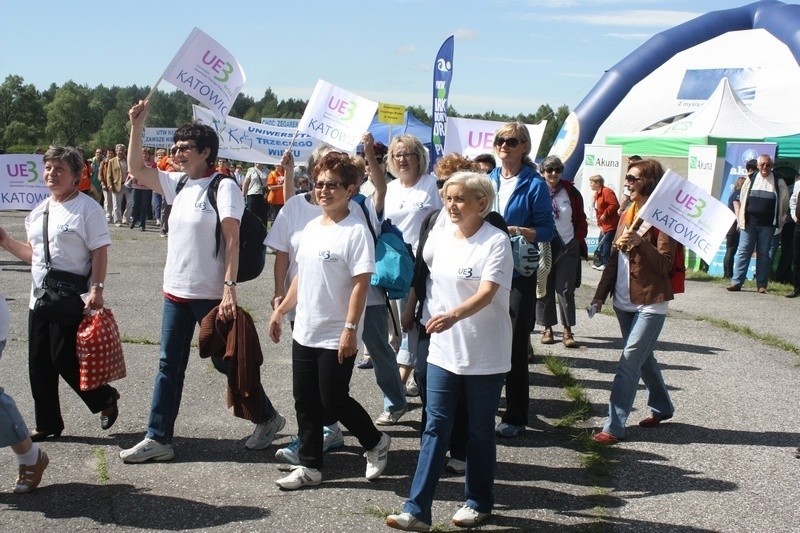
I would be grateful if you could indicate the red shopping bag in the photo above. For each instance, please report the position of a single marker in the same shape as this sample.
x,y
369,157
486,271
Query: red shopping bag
x,y
99,350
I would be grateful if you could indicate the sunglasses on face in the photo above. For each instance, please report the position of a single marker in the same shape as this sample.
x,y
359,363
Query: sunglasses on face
x,y
557,170
512,142
632,178
330,185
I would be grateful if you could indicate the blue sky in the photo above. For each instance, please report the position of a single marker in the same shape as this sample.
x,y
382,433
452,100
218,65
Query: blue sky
x,y
511,56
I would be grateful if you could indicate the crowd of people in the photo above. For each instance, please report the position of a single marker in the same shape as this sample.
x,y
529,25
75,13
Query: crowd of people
x,y
465,324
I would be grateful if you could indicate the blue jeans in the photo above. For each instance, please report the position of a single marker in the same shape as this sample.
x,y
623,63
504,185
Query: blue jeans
x,y
750,238
405,355
384,361
604,247
639,336
12,427
459,435
483,397
177,330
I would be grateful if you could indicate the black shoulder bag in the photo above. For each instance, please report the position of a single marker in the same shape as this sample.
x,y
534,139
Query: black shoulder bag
x,y
59,298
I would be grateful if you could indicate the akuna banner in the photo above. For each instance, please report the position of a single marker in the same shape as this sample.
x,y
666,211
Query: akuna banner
x,y
336,116
702,162
242,140
470,137
737,154
205,70
442,75
22,182
688,214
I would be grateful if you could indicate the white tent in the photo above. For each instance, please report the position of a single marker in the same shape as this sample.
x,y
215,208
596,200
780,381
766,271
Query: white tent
x,y
722,118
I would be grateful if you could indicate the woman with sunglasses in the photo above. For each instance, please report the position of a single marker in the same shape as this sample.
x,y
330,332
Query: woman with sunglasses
x,y
524,201
570,219
638,275
409,199
335,261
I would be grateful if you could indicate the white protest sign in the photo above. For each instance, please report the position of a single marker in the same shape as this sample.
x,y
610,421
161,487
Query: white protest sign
x,y
688,214
702,162
336,116
22,181
242,140
205,70
158,137
470,137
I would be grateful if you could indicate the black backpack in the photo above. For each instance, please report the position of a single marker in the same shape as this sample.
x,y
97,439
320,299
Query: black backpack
x,y
252,251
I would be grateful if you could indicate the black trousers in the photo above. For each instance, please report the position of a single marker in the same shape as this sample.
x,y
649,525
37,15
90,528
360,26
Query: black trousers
x,y
321,384
51,353
523,312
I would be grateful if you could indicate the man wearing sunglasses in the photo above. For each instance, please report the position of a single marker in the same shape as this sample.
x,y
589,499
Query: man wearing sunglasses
x,y
764,201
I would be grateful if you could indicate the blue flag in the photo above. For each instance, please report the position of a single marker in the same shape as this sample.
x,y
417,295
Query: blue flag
x,y
442,74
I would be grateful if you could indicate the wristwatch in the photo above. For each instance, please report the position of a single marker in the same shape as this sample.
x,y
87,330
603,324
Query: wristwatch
x,y
98,285
350,325
230,283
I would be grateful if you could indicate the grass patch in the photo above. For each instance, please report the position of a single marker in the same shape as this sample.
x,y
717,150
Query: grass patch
x,y
132,340
102,465
767,338
580,408
774,286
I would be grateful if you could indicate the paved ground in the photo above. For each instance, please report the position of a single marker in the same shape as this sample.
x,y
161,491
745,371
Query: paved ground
x,y
724,463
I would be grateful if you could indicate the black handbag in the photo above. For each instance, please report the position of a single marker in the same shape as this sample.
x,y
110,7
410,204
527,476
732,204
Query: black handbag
x,y
59,298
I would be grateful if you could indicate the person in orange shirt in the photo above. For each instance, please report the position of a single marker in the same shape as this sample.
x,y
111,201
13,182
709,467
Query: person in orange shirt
x,y
275,194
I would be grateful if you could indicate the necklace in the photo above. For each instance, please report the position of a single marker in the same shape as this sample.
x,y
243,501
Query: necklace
x,y
69,197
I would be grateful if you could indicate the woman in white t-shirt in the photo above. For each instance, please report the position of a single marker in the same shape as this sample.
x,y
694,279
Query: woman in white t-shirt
x,y
335,261
199,275
409,199
77,242
471,268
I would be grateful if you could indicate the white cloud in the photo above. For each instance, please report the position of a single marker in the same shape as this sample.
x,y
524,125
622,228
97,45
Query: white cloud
x,y
635,17
629,36
406,49
464,34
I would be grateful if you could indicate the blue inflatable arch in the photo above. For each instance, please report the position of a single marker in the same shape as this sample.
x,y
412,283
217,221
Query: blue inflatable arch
x,y
780,20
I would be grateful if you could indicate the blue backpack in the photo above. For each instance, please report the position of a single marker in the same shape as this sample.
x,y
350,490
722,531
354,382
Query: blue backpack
x,y
394,260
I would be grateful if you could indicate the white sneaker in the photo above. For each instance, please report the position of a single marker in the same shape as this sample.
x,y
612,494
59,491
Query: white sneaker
x,y
146,450
412,389
377,457
468,517
300,477
406,522
264,433
389,419
456,466
289,454
331,440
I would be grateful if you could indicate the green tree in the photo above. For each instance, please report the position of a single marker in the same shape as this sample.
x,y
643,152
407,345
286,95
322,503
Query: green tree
x,y
68,115
22,116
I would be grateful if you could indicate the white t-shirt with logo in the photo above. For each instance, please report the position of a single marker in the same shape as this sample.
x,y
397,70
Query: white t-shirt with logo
x,y
191,270
328,257
284,236
407,207
75,228
479,344
564,221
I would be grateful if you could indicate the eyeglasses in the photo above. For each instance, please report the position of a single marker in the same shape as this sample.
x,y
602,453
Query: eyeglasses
x,y
330,185
406,155
631,177
558,170
184,148
512,142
